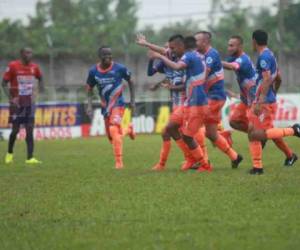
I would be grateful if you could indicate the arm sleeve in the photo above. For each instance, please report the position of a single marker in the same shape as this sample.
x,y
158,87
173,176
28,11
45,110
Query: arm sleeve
x,y
265,64
185,59
90,81
126,74
38,73
8,73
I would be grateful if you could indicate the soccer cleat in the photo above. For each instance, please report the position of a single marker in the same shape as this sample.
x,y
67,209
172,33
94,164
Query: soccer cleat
x,y
187,165
205,168
256,171
33,161
195,166
158,167
290,161
236,163
131,132
8,158
296,128
119,165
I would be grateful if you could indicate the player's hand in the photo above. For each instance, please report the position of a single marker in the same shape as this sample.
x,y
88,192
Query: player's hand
x,y
257,109
153,55
141,40
89,111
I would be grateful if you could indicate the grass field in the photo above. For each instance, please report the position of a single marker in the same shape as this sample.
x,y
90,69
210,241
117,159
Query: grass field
x,y
77,200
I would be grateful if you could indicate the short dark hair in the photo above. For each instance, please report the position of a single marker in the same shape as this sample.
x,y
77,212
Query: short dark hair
x,y
206,33
190,42
260,36
101,48
237,37
24,48
176,37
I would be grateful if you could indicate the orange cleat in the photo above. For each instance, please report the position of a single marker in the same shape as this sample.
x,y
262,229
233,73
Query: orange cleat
x,y
188,164
159,167
205,168
119,165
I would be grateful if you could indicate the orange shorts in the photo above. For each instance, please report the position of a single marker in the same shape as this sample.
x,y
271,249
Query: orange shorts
x,y
177,115
240,113
193,119
214,115
265,119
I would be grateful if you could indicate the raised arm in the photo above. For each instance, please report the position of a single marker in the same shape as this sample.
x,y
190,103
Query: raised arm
x,y
142,41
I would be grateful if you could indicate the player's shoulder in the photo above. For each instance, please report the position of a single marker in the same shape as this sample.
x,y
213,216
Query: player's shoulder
x,y
213,52
34,65
14,63
119,66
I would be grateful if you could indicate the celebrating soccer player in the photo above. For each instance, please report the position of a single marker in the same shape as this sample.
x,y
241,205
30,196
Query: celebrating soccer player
x,y
18,84
174,82
214,87
262,113
241,63
107,76
196,101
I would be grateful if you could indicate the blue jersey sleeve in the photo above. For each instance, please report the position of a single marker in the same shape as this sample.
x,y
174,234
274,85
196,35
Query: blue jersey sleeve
x,y
186,59
126,74
153,69
209,61
91,79
264,63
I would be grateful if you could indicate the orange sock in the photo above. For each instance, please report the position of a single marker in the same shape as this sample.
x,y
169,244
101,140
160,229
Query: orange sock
x,y
198,155
223,145
274,133
281,144
200,138
185,149
164,152
256,153
117,143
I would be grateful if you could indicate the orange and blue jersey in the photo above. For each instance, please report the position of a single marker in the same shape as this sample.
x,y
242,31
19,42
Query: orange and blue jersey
x,y
109,84
176,77
246,77
266,62
195,79
214,85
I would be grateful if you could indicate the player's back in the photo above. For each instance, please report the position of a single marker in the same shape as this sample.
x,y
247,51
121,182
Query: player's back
x,y
215,78
266,62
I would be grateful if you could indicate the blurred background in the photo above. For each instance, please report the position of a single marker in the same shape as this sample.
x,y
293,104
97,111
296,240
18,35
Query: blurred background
x,y
65,35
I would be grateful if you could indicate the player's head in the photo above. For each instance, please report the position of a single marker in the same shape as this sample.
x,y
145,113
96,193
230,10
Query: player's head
x,y
203,40
176,44
26,54
235,45
190,43
105,56
259,38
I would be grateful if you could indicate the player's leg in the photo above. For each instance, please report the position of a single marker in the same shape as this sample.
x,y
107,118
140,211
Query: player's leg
x,y
238,118
192,125
211,126
11,142
164,151
14,113
200,138
116,134
291,157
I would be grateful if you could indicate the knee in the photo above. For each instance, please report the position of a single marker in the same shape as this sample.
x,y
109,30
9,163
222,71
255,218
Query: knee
x,y
233,124
211,136
15,131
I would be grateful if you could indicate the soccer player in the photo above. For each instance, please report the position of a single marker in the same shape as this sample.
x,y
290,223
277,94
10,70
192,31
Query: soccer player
x,y
241,63
262,112
214,87
174,82
196,100
18,83
107,75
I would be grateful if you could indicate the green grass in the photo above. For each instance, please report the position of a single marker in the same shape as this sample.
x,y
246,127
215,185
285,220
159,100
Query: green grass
x,y
77,200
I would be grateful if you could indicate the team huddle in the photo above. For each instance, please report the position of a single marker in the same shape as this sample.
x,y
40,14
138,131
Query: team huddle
x,y
194,75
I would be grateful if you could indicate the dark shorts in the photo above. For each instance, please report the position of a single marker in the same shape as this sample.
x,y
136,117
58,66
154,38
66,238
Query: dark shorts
x,y
21,115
